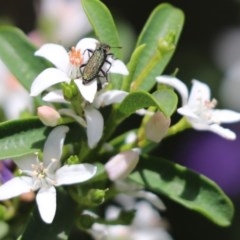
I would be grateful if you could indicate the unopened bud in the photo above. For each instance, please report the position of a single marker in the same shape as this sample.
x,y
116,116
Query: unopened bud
x,y
96,196
122,164
157,127
48,115
166,44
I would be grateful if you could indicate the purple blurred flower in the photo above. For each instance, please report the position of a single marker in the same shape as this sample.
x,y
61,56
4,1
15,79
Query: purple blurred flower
x,y
6,170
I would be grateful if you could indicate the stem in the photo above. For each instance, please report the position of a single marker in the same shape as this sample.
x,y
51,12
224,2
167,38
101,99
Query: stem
x,y
180,126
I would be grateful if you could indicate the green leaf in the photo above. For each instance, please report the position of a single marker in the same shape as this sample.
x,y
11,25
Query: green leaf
x,y
61,226
18,54
102,23
186,187
131,67
162,29
21,137
165,100
105,29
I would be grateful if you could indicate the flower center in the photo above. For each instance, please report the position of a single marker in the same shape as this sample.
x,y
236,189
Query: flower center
x,y
204,109
75,59
41,175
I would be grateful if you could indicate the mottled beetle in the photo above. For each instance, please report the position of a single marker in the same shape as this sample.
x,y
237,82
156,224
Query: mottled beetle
x,y
93,68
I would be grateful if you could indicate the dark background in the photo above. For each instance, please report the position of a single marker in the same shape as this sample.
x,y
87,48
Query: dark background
x,y
205,20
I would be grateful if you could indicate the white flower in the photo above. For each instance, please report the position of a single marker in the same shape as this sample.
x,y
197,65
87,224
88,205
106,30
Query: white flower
x,y
93,121
200,110
68,67
46,175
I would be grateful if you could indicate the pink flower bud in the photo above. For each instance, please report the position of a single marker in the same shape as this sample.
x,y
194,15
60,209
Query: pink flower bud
x,y
157,127
48,115
121,165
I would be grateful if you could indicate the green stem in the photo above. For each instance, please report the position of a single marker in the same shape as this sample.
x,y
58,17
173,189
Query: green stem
x,y
180,126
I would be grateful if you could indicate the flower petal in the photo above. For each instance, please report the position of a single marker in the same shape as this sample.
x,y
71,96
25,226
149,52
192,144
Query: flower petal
x,y
199,91
55,96
25,162
176,84
76,173
188,112
117,66
87,43
225,116
151,197
109,97
221,131
94,126
88,91
15,187
56,54
46,201
53,145
46,79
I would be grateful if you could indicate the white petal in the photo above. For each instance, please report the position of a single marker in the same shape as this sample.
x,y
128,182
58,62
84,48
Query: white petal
x,y
88,91
199,91
94,126
46,79
56,54
25,162
46,201
87,43
55,96
118,66
188,112
71,113
15,187
70,174
225,116
109,97
54,143
223,132
152,198
176,84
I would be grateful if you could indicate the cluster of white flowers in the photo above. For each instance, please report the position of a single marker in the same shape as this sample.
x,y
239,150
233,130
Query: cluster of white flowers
x,y
67,69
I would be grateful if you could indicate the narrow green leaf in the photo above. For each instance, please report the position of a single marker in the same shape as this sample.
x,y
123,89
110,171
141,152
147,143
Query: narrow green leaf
x,y
105,29
165,100
61,226
21,137
102,23
164,24
131,67
186,187
17,53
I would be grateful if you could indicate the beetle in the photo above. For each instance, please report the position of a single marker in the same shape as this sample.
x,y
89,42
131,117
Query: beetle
x,y
93,68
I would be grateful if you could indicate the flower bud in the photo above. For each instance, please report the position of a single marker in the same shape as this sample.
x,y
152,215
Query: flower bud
x,y
157,127
122,164
96,196
48,115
